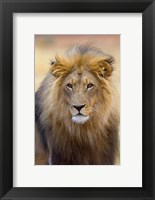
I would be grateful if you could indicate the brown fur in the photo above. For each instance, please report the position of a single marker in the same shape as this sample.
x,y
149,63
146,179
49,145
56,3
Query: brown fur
x,y
61,139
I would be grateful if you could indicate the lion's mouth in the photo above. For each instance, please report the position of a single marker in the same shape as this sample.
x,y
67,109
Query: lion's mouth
x,y
80,114
80,118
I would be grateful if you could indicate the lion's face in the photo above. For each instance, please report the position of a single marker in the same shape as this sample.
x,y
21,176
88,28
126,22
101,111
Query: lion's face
x,y
84,82
81,94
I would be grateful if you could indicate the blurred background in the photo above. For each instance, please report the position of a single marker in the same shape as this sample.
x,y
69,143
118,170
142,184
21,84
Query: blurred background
x,y
47,46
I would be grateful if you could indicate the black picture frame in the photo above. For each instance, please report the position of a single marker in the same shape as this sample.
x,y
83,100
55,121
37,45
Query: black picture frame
x,y
7,8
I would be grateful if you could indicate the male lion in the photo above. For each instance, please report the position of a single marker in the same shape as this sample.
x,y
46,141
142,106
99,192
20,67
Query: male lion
x,y
77,110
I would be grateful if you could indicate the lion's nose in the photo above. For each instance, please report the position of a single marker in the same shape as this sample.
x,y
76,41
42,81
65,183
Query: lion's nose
x,y
79,107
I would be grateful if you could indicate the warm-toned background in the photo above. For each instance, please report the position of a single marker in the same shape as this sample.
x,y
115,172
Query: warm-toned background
x,y
46,46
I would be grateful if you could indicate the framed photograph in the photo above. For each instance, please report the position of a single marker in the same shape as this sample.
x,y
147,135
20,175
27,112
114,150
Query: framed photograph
x,y
77,99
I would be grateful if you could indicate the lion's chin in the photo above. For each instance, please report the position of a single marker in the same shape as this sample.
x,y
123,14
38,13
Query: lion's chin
x,y
80,119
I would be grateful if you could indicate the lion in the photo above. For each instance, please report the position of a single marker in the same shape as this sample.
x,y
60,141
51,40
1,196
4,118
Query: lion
x,y
77,110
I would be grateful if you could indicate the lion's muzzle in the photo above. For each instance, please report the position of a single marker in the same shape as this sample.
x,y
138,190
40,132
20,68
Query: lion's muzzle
x,y
78,114
78,107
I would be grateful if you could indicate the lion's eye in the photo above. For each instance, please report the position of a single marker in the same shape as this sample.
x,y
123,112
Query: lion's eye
x,y
69,85
90,85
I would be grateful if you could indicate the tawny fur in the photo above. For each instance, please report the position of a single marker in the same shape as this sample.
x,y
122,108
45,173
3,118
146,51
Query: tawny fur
x,y
63,141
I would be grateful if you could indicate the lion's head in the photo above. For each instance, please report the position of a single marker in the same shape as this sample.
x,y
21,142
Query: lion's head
x,y
82,79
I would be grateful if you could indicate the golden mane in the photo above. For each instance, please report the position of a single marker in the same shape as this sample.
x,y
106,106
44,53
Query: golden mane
x,y
63,66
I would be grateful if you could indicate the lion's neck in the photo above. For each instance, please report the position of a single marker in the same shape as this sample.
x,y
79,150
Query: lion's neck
x,y
81,143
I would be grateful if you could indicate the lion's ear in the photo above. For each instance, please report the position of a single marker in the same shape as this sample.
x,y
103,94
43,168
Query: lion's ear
x,y
53,68
57,67
106,66
52,62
